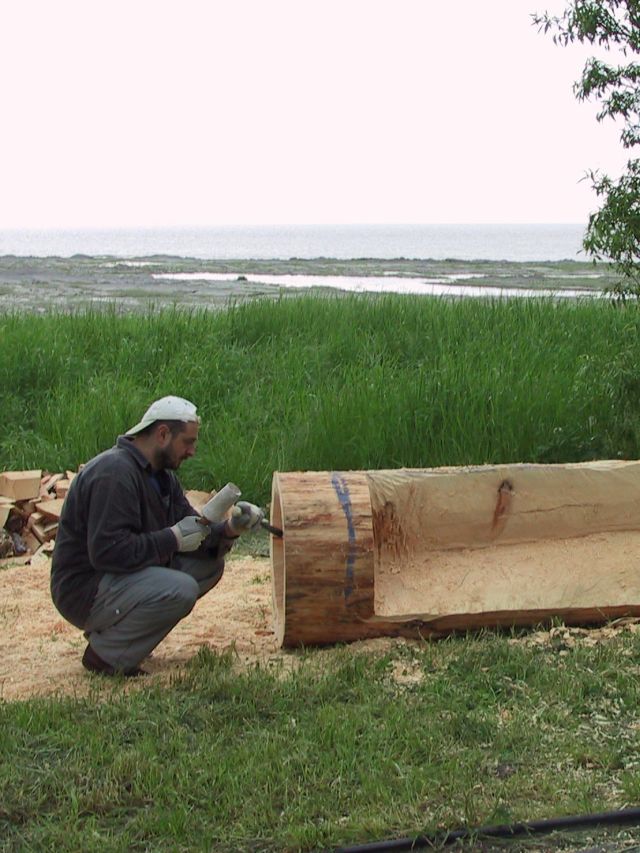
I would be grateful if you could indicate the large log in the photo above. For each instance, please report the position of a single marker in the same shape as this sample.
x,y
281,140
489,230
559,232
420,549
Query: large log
x,y
427,551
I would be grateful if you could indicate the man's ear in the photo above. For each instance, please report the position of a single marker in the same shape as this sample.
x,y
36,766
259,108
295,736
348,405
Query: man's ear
x,y
163,434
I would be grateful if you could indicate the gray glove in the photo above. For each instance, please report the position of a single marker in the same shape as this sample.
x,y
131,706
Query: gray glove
x,y
190,533
245,517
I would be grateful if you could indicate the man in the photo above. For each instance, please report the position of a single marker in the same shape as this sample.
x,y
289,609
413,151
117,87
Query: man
x,y
132,556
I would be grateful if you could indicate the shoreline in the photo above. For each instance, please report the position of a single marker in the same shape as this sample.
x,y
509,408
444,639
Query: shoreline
x,y
34,284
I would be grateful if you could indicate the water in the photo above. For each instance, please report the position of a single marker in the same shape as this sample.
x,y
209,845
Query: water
x,y
444,286
437,242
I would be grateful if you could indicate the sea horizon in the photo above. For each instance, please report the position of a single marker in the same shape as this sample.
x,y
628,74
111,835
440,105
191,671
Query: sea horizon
x,y
481,242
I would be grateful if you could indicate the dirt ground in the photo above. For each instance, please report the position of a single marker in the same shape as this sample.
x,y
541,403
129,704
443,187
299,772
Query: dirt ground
x,y
40,653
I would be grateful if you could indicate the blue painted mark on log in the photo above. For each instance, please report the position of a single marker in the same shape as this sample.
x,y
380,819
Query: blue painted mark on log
x,y
342,491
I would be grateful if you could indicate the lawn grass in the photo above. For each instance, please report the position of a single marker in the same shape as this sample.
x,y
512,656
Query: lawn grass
x,y
350,746
356,382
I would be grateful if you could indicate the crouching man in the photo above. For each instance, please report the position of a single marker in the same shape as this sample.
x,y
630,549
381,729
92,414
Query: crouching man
x,y
131,556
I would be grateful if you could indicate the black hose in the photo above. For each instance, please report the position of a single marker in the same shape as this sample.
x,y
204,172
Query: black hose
x,y
511,830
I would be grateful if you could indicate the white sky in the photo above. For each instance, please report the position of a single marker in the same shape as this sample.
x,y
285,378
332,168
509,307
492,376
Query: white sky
x,y
202,112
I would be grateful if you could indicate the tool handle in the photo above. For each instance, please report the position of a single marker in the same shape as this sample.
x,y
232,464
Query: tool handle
x,y
274,531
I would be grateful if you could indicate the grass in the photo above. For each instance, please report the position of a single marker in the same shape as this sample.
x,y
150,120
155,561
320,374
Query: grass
x,y
349,747
329,383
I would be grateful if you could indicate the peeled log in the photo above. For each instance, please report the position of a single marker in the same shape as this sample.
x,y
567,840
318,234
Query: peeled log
x,y
421,552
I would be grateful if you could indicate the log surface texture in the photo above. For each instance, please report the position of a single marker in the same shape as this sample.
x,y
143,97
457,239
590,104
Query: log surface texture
x,y
427,551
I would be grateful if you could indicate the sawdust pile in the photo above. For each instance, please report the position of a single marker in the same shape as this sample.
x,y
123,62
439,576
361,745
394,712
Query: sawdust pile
x,y
40,653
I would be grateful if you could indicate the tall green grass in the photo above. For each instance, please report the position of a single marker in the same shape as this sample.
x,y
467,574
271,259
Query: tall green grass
x,y
329,383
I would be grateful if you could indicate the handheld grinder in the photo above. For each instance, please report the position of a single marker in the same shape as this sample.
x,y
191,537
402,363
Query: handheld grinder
x,y
215,509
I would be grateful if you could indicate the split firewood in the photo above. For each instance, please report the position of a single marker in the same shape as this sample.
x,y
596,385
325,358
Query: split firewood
x,y
44,532
50,530
31,541
51,508
35,518
30,507
26,508
5,509
62,487
20,485
51,482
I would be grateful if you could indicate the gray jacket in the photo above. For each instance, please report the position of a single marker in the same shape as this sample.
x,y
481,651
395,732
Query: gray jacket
x,y
116,518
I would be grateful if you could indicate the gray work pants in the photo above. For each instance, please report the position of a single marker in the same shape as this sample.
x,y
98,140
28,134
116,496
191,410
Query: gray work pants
x,y
133,612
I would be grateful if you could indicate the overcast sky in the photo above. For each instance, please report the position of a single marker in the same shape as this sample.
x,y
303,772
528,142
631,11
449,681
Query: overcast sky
x,y
153,113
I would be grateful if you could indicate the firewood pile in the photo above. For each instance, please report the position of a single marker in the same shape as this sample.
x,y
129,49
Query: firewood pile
x,y
30,506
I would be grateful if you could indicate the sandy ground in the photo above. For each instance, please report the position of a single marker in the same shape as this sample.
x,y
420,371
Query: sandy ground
x,y
40,652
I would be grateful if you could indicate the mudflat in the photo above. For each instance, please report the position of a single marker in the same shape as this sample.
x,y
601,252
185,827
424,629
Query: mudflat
x,y
40,285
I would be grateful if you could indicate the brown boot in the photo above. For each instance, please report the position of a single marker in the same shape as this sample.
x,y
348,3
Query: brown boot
x,y
94,663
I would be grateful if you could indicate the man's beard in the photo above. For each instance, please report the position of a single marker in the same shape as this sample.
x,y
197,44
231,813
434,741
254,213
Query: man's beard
x,y
164,459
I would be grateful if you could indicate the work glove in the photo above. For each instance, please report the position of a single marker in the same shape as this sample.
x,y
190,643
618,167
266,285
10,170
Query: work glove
x,y
190,533
245,517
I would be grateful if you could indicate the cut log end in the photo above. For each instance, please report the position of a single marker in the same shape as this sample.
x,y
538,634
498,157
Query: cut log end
x,y
277,552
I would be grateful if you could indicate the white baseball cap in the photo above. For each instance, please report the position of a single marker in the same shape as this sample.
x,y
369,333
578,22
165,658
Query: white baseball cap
x,y
166,409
